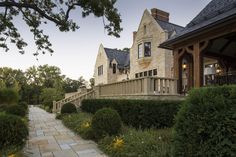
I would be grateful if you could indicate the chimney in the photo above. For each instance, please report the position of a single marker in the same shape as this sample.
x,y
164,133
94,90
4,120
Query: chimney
x,y
160,15
134,35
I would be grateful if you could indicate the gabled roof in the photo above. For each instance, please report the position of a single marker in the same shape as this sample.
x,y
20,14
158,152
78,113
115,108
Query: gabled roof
x,y
215,12
122,57
170,27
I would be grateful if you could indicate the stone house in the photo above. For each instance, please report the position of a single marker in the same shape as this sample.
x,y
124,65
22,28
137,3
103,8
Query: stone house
x,y
145,57
111,66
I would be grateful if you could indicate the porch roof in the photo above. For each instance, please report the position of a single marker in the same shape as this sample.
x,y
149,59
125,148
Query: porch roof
x,y
215,13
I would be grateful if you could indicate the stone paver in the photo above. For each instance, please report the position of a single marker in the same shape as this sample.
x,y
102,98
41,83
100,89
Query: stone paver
x,y
48,137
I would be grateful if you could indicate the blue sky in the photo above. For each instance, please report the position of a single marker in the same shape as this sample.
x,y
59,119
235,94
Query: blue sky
x,y
75,52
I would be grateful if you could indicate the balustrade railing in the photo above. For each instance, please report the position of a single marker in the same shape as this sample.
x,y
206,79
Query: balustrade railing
x,y
221,79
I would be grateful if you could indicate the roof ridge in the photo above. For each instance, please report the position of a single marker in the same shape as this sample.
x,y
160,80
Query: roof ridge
x,y
170,23
116,50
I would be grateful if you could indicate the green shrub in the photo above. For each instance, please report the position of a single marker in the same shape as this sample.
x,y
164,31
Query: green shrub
x,y
138,113
16,110
13,134
68,108
23,104
79,123
138,143
106,121
8,96
205,125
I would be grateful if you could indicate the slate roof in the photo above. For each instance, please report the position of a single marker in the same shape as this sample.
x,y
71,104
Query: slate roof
x,y
170,27
122,57
216,11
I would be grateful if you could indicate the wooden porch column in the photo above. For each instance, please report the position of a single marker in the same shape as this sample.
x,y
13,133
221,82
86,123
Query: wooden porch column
x,y
177,70
198,66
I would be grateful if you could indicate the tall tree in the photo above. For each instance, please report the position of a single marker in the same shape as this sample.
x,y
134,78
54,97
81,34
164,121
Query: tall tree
x,y
35,13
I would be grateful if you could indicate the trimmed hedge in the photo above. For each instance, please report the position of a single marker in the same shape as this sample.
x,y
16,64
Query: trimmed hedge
x,y
138,113
16,110
8,96
105,122
206,123
13,134
68,108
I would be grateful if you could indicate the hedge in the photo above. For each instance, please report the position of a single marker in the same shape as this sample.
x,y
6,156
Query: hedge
x,y
137,113
206,123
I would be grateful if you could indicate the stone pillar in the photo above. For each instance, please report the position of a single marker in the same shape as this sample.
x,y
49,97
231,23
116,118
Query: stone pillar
x,y
54,109
146,86
97,90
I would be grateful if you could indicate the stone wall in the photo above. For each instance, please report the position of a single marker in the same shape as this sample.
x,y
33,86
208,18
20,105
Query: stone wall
x,y
160,59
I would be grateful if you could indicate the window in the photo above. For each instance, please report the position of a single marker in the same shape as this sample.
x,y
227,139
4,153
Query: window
x,y
140,51
145,73
100,70
145,29
150,73
136,75
114,68
140,74
147,49
155,72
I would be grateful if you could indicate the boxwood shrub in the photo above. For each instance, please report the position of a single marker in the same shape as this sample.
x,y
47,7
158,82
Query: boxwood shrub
x,y
13,134
68,108
138,113
205,125
106,121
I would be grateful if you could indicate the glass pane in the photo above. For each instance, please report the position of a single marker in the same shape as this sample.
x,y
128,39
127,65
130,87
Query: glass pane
x,y
147,49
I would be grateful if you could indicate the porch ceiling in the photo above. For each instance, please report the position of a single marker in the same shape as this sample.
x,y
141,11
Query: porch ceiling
x,y
223,46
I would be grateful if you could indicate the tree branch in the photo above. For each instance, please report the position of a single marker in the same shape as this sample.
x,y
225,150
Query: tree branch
x,y
31,6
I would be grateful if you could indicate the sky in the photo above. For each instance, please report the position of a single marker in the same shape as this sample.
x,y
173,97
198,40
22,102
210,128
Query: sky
x,y
75,52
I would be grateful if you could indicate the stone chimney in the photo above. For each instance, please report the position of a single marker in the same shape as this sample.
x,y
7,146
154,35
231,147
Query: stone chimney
x,y
134,35
160,15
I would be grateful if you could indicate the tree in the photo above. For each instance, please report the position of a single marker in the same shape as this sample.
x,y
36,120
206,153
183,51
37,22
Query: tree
x,y
91,82
35,13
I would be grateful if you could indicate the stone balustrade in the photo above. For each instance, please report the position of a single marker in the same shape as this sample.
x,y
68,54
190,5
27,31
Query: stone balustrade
x,y
149,86
142,86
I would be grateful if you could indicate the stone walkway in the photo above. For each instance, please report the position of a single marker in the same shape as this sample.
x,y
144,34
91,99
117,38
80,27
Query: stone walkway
x,y
48,137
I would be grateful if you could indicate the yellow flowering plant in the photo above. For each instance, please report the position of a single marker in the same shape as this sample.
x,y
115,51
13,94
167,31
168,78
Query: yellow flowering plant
x,y
118,143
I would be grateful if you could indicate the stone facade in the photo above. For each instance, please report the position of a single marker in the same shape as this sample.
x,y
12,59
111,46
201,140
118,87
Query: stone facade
x,y
108,75
160,61
145,57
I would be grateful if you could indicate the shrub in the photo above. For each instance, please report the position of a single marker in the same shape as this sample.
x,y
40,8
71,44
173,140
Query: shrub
x,y
8,96
68,108
48,95
13,134
106,121
16,110
205,125
138,113
23,104
79,123
138,143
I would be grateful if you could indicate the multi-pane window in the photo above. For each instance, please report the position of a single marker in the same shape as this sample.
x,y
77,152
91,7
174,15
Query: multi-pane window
x,y
150,73
140,51
155,72
140,74
147,49
145,73
100,70
136,75
114,68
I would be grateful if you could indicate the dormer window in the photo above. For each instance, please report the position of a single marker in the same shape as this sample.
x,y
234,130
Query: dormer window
x,y
147,49
114,68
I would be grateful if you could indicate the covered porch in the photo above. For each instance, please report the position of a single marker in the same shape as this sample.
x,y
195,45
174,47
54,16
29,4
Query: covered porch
x,y
205,51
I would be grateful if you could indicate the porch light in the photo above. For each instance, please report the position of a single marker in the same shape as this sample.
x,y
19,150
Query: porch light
x,y
218,70
184,66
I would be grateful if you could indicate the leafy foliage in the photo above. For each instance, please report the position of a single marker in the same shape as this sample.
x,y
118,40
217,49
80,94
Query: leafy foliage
x,y
134,143
205,125
13,134
35,13
68,108
48,95
8,96
106,121
80,123
23,104
138,113
16,110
